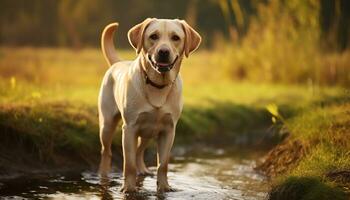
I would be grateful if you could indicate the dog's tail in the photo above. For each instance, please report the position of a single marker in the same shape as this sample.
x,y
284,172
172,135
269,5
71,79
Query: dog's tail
x,y
107,44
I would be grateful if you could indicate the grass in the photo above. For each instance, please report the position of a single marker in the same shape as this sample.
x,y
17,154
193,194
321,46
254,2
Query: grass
x,y
285,43
322,168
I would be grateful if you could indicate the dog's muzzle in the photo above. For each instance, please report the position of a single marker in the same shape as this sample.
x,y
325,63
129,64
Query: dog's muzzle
x,y
162,68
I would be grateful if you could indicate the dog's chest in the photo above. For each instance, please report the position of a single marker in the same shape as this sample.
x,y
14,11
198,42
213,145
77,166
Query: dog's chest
x,y
153,122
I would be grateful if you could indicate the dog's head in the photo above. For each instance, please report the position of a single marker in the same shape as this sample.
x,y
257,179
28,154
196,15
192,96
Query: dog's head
x,y
163,42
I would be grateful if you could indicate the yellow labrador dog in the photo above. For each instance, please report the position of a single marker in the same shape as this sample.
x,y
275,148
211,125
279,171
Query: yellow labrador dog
x,y
146,94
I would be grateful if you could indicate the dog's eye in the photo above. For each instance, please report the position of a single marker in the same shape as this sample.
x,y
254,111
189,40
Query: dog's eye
x,y
175,38
154,37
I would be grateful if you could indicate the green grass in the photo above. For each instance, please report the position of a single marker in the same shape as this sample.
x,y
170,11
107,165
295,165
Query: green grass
x,y
323,130
328,130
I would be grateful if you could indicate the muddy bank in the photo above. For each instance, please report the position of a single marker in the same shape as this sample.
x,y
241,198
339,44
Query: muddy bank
x,y
22,156
283,157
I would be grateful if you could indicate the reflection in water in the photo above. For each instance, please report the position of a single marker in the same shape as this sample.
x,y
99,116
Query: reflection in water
x,y
221,178
105,192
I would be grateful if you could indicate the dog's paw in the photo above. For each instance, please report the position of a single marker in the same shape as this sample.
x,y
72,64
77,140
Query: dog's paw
x,y
165,188
145,172
127,189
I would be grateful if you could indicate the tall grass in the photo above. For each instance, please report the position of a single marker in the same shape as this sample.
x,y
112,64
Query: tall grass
x,y
284,44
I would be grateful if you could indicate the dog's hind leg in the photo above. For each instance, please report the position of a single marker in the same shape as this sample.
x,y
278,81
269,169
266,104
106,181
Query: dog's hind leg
x,y
107,129
140,163
108,119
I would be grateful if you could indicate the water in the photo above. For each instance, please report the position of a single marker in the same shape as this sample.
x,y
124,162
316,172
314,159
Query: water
x,y
224,177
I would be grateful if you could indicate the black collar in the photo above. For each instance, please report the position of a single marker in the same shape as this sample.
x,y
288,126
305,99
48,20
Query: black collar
x,y
149,81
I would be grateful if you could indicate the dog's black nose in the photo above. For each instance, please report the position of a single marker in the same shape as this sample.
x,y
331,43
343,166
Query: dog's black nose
x,y
163,54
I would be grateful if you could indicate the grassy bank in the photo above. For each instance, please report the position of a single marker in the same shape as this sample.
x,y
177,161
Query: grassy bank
x,y
314,161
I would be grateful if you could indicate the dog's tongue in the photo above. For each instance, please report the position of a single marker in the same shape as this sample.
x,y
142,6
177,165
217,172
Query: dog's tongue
x,y
162,64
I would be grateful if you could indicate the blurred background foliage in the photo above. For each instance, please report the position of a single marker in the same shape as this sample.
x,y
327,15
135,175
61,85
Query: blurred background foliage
x,y
290,41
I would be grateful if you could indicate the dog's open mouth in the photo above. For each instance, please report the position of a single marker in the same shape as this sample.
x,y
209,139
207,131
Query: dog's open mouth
x,y
162,67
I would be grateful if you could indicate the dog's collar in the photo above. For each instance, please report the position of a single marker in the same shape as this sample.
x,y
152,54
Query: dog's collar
x,y
153,84
149,81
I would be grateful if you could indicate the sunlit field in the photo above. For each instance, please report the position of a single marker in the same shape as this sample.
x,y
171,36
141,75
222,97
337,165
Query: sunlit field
x,y
63,74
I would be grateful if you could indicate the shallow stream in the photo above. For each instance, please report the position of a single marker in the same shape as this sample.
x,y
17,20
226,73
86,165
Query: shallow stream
x,y
218,177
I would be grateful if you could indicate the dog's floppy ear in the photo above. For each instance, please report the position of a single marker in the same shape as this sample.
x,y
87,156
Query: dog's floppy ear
x,y
192,38
135,34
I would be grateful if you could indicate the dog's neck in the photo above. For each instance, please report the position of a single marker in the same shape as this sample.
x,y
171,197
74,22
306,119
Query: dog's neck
x,y
157,86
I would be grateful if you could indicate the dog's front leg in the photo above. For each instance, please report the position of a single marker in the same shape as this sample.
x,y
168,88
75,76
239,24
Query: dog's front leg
x,y
129,152
164,144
